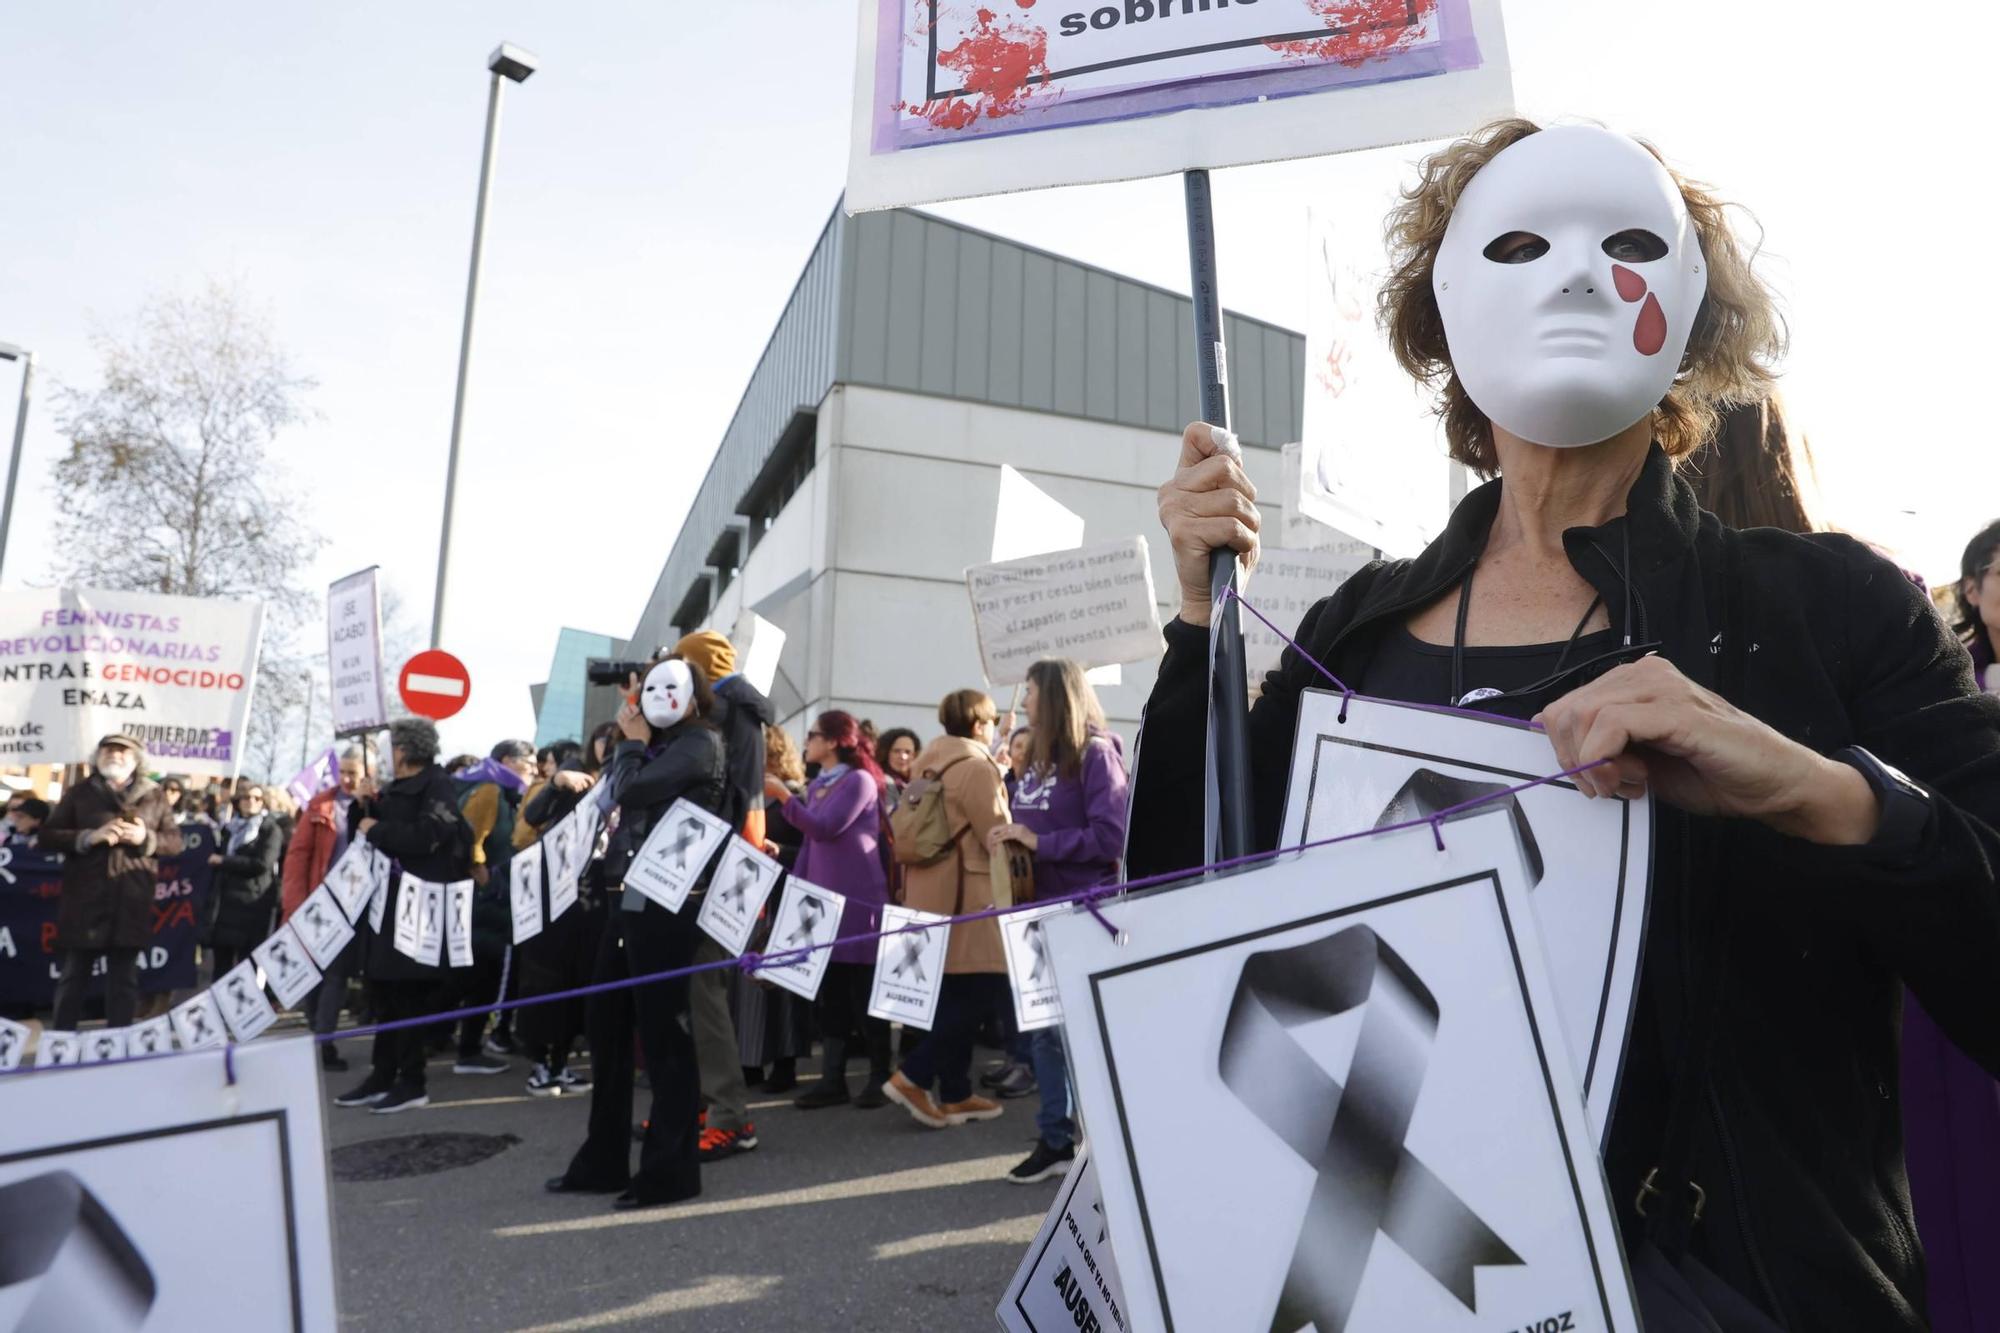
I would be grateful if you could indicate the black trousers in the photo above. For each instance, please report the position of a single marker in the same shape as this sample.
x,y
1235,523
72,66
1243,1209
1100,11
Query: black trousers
x,y
634,944
478,984
561,958
842,1008
966,1000
121,987
398,1056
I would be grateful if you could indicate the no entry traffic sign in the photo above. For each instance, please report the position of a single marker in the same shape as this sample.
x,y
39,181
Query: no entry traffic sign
x,y
434,684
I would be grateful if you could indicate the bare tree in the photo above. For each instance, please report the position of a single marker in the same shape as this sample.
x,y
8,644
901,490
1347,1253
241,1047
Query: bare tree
x,y
170,483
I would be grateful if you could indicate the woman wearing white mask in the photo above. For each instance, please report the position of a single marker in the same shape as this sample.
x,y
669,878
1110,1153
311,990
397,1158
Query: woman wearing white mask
x,y
1583,312
667,751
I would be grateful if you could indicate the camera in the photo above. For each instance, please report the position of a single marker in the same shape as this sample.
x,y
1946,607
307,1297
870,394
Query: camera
x,y
604,671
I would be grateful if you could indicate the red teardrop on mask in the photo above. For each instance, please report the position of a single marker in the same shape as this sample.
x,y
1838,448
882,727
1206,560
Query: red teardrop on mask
x,y
1649,335
1630,285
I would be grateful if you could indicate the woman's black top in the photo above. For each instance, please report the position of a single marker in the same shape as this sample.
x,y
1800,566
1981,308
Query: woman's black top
x,y
1407,669
1799,1137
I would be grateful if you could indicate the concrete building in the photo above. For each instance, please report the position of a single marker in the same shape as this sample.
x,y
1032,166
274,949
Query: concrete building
x,y
860,473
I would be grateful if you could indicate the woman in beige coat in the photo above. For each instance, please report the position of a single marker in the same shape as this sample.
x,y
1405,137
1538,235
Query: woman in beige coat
x,y
975,981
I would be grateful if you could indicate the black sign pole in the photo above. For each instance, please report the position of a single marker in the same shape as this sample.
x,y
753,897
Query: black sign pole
x,y
1228,780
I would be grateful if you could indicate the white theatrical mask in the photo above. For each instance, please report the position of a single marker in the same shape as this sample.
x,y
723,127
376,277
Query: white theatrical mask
x,y
668,694
1569,279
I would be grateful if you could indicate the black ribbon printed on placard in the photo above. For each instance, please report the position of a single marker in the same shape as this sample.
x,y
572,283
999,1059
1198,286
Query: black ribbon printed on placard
x,y
1366,1179
686,834
1428,791
748,876
1033,934
811,910
913,959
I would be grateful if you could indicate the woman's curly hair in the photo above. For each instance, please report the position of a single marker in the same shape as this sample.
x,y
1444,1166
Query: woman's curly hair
x,y
1738,334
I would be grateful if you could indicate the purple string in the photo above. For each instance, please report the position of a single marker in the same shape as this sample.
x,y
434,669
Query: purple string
x,y
1229,593
751,963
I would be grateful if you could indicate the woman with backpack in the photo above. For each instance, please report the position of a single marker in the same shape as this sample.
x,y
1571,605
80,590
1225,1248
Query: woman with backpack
x,y
840,817
951,879
1069,811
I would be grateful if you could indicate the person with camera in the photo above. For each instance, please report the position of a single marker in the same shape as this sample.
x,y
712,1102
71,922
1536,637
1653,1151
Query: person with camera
x,y
668,751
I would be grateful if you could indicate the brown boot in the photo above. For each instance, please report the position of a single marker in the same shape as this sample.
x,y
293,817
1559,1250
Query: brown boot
x,y
974,1107
914,1100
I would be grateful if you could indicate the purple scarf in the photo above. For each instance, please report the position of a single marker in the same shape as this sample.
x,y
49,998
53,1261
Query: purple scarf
x,y
492,770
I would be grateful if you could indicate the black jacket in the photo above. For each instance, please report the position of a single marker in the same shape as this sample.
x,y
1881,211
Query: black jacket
x,y
244,892
1799,1137
741,714
687,762
419,826
108,890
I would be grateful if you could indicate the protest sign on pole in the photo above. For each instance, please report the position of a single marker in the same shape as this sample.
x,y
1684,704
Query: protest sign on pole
x,y
1372,1027
1094,604
1284,587
1371,462
354,654
166,1194
955,98
174,673
759,644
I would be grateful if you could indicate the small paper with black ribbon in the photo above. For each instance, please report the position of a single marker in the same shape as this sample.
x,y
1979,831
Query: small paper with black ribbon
x,y
409,897
430,918
58,1048
909,966
13,1043
458,922
352,878
563,860
675,853
155,1036
321,927
808,920
1031,973
197,1022
288,968
241,1002
104,1044
744,878
524,892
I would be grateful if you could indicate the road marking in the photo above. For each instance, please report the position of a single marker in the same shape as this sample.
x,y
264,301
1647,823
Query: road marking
x,y
971,1171
704,1295
1013,1231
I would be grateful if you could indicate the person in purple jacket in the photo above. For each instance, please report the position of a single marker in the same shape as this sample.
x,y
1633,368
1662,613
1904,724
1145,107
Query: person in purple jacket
x,y
840,814
1069,810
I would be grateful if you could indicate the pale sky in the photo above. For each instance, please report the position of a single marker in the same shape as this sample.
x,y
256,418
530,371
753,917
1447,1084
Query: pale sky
x,y
662,179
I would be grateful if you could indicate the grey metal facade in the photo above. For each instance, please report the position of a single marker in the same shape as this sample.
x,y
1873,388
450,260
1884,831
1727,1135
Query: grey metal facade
x,y
901,300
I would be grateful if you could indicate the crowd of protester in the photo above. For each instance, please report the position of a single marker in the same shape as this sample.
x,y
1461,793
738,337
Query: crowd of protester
x,y
1035,802
1050,792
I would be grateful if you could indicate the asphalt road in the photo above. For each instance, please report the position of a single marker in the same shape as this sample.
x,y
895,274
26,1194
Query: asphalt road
x,y
841,1219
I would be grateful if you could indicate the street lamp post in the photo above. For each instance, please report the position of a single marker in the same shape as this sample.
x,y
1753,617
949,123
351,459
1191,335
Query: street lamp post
x,y
9,352
509,63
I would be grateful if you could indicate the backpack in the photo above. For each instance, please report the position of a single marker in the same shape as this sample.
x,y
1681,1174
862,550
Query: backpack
x,y
919,828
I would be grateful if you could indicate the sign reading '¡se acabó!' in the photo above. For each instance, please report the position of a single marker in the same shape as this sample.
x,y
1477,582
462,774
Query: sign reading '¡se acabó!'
x,y
960,97
1094,604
